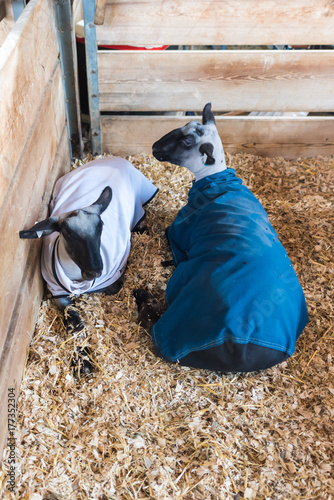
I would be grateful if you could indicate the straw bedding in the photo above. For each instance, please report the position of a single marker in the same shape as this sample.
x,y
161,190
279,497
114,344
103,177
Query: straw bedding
x,y
141,428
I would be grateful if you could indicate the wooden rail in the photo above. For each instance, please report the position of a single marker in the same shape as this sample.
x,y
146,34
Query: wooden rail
x,y
256,80
234,80
207,22
291,137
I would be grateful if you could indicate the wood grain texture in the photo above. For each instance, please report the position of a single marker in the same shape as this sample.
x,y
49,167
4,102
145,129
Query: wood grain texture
x,y
257,80
25,68
265,136
100,9
26,301
22,203
34,152
5,27
217,22
7,23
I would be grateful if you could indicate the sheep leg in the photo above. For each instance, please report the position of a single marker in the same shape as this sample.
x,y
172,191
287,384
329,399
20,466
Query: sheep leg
x,y
141,226
75,326
167,263
114,287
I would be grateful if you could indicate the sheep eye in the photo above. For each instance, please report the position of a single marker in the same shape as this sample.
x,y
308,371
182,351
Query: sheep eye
x,y
188,141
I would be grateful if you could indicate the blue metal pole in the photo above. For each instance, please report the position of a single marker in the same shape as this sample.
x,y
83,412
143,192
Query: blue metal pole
x,y
18,6
92,75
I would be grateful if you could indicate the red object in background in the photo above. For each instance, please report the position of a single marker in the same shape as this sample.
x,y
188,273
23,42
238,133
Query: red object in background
x,y
82,72
125,47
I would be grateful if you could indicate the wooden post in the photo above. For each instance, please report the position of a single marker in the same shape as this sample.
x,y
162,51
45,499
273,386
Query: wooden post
x,y
100,11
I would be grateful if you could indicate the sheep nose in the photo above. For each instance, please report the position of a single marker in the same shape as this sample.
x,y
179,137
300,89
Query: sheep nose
x,y
91,275
157,154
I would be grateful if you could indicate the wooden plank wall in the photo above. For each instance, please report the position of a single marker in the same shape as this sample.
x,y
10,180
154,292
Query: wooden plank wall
x,y
233,80
34,152
291,137
206,22
252,80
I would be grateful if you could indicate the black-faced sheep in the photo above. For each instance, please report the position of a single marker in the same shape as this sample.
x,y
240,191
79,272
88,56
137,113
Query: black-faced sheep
x,y
86,242
234,302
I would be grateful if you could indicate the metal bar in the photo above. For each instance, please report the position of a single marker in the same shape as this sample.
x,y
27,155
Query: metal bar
x,y
92,75
18,6
67,60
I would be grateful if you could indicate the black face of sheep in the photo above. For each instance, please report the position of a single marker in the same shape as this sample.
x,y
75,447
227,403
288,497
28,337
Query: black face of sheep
x,y
84,250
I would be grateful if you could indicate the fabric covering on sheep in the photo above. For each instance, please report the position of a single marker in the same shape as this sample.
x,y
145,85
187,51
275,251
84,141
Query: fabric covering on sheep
x,y
234,300
78,189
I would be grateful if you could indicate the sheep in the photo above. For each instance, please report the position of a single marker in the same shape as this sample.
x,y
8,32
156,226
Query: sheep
x,y
86,239
234,302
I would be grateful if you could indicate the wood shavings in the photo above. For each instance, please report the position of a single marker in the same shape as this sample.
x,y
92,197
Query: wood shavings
x,y
142,428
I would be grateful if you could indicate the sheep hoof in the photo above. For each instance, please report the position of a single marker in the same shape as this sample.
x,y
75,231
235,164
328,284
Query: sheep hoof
x,y
116,286
149,308
81,363
141,226
73,322
167,263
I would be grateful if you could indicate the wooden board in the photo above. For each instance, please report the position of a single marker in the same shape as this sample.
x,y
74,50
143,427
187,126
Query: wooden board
x,y
2,10
27,299
257,80
267,136
217,22
100,10
25,68
5,26
22,203
34,152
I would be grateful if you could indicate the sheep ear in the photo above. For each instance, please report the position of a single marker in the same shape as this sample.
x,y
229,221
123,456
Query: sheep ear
x,y
43,228
103,201
208,115
207,148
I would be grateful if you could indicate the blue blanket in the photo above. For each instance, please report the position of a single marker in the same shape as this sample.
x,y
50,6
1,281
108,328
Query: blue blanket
x,y
234,300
